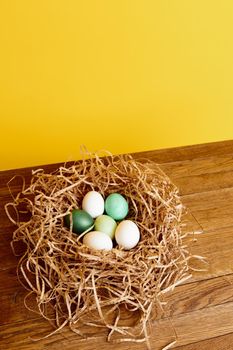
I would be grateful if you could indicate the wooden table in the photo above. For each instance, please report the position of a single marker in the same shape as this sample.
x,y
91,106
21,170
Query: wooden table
x,y
200,312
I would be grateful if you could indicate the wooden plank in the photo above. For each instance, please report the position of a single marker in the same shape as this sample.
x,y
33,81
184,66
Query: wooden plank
x,y
190,297
199,166
203,183
187,152
186,184
186,328
201,174
224,342
213,209
208,244
160,156
185,298
183,156
195,183
199,295
164,155
12,294
190,302
19,335
8,259
13,309
204,324
12,306
211,245
195,168
9,281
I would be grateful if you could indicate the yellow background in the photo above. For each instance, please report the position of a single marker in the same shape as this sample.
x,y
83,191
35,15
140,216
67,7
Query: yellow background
x,y
115,74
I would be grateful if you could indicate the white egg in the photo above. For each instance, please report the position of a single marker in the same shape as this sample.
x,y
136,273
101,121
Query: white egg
x,y
97,240
93,204
127,234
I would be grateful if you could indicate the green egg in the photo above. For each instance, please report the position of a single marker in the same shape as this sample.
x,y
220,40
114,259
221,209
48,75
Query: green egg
x,y
106,224
82,221
116,206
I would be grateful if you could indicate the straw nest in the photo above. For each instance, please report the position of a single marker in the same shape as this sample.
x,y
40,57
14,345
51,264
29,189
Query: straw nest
x,y
82,286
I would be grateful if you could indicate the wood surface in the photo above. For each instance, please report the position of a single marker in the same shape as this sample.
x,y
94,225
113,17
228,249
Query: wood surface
x,y
199,313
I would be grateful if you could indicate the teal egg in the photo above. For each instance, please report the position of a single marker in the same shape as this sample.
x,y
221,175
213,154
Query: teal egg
x,y
106,224
116,206
82,221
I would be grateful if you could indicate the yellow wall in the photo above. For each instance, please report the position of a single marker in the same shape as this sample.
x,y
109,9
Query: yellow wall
x,y
116,74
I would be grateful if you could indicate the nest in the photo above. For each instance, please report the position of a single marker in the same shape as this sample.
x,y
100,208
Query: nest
x,y
75,285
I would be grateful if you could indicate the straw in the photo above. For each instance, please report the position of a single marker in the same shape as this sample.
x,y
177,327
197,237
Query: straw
x,y
83,286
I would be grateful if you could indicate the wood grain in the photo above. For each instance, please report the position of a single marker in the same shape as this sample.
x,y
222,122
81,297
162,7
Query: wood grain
x,y
199,313
185,328
188,152
212,209
201,175
224,342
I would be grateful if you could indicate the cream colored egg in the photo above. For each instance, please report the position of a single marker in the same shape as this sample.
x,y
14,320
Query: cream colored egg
x,y
93,204
97,240
127,234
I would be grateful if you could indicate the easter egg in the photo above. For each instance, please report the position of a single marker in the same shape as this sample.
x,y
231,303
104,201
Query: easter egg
x,y
82,221
97,240
127,234
106,224
116,206
93,203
